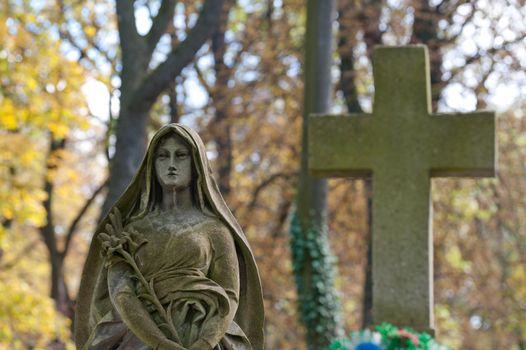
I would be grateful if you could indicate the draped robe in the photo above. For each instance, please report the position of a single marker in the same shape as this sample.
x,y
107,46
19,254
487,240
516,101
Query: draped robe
x,y
97,318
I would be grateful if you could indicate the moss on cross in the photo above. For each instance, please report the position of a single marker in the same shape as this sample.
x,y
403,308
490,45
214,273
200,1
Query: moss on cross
x,y
402,145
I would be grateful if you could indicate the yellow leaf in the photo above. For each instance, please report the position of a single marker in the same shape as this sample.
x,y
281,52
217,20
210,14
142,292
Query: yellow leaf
x,y
454,258
28,156
9,121
8,213
7,115
84,124
90,31
58,130
31,84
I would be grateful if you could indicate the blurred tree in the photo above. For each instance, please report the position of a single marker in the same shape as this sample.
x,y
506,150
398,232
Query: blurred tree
x,y
352,19
480,248
41,105
218,93
250,78
313,262
141,84
28,314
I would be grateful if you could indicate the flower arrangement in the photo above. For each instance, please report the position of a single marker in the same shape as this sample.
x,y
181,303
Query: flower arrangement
x,y
387,337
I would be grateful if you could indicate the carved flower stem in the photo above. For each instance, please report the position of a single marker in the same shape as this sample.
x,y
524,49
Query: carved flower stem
x,y
152,295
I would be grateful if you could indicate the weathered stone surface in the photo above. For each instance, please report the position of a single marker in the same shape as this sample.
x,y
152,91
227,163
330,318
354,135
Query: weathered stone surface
x,y
402,145
170,267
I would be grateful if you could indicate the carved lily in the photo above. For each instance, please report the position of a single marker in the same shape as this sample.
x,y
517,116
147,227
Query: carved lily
x,y
120,245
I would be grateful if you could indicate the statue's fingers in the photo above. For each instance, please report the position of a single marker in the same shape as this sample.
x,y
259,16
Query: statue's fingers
x,y
105,246
103,236
110,229
118,218
113,221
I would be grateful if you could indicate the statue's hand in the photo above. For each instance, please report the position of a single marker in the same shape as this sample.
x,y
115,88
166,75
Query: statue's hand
x,y
116,239
110,243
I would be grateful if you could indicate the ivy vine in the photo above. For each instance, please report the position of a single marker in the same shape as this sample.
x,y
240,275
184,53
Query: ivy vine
x,y
319,305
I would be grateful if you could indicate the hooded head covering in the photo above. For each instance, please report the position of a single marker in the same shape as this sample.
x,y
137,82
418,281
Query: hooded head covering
x,y
93,301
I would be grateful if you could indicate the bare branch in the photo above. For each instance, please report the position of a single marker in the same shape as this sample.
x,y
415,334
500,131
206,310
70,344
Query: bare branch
x,y
180,57
480,89
100,50
201,78
130,39
268,181
484,53
245,41
6,223
175,112
160,23
369,18
345,47
149,9
496,49
48,231
449,12
73,227
23,252
468,19
245,46
83,51
109,127
438,7
283,213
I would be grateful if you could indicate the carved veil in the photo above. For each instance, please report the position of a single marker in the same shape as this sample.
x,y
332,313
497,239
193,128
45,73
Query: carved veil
x,y
93,302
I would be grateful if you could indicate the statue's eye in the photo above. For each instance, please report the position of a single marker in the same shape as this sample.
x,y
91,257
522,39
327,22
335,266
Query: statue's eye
x,y
182,155
162,156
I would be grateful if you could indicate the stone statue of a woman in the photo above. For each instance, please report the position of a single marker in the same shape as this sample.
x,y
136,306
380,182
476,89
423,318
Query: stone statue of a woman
x,y
170,268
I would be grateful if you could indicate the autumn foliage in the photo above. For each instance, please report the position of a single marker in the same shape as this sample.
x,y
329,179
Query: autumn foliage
x,y
59,105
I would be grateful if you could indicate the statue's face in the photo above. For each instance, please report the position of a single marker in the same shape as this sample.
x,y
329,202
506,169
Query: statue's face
x,y
173,163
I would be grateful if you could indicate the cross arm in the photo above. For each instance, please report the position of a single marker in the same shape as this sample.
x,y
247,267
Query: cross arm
x,y
463,144
341,145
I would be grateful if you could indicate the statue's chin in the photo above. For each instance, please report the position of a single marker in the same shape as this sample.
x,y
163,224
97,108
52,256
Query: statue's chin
x,y
174,183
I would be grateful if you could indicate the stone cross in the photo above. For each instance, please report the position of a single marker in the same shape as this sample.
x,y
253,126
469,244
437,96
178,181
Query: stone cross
x,y
402,145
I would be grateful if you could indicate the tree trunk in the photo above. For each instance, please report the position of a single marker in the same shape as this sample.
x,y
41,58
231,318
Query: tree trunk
x,y
425,31
130,129
372,35
221,100
140,86
313,261
369,19
175,113
129,150
59,291
367,303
